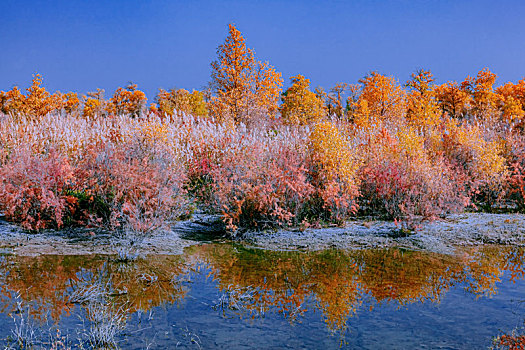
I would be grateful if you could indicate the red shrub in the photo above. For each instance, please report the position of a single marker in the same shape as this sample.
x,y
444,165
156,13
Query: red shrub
x,y
402,192
403,181
511,342
517,182
253,178
33,190
124,189
110,187
257,188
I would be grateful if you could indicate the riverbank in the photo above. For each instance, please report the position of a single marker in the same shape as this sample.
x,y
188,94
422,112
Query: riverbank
x,y
441,236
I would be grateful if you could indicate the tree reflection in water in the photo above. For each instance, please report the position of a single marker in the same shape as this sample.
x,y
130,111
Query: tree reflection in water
x,y
337,283
342,281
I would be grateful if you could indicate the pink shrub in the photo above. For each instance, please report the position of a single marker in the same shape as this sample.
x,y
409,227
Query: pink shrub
x,y
477,149
262,178
110,187
516,181
204,157
400,179
124,173
260,188
400,192
33,190
517,184
131,191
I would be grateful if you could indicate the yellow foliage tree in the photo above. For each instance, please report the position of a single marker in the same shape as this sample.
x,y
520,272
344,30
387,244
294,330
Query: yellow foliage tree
x,y
335,168
384,98
422,108
512,100
300,105
452,99
94,104
482,158
198,104
182,100
128,101
245,90
484,99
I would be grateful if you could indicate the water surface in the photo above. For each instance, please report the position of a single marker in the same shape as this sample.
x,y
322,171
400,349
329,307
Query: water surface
x,y
229,296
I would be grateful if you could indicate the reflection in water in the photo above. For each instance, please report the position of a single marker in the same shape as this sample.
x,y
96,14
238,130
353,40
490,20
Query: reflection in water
x,y
253,282
49,281
513,341
341,281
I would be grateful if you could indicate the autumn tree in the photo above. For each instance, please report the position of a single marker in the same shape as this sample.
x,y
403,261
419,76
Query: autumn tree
x,y
452,99
484,99
12,101
512,100
181,100
422,108
38,100
335,99
198,104
334,167
128,101
36,103
300,105
381,98
352,100
70,103
321,94
244,89
94,104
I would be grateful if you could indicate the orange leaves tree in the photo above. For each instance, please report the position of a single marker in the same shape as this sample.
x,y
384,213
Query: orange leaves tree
x,y
71,103
422,108
452,99
36,103
512,100
181,100
94,104
245,90
381,98
484,99
300,105
12,101
128,101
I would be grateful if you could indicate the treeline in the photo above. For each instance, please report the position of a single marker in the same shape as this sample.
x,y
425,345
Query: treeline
x,y
244,90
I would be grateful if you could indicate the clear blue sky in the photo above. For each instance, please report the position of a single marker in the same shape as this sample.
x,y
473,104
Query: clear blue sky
x,y
82,45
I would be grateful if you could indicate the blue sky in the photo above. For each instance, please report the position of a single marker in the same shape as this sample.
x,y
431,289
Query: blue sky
x,y
84,45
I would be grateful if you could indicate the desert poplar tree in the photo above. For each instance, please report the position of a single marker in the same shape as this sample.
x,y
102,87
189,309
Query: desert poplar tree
x,y
244,89
422,107
300,105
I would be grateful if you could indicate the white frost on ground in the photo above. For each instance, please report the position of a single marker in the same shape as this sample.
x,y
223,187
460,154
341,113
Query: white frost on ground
x,y
13,240
441,236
